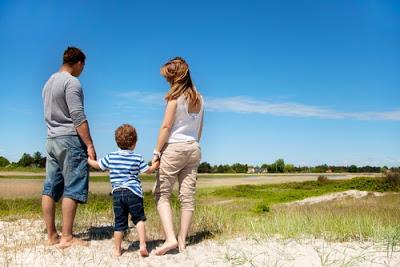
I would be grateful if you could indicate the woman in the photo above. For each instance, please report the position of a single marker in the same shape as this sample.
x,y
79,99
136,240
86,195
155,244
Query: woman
x,y
178,151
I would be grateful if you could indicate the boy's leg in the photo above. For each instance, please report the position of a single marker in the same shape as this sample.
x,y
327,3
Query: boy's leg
x,y
118,235
141,230
121,212
48,207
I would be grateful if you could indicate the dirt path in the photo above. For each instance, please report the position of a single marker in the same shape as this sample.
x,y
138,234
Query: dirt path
x,y
16,188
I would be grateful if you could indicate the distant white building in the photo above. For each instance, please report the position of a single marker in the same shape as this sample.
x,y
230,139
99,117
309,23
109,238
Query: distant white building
x,y
256,170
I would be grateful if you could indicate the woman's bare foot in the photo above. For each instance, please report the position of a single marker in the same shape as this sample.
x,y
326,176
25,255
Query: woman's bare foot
x,y
143,251
66,242
167,246
53,240
181,243
117,252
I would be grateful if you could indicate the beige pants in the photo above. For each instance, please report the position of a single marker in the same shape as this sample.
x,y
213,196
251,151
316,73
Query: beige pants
x,y
179,161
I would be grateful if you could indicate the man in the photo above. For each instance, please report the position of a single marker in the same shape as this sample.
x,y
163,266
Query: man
x,y
68,145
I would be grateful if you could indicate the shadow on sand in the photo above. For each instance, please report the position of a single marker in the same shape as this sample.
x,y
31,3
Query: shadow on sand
x,y
107,232
191,240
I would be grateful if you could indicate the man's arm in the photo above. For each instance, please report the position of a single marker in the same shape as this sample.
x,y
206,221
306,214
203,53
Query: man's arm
x,y
74,99
84,133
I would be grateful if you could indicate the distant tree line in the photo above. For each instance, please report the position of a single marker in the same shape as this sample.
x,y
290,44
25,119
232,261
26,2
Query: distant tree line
x,y
279,166
36,160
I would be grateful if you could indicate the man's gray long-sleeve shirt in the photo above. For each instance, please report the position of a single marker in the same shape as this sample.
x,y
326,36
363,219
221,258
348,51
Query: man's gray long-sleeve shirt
x,y
63,104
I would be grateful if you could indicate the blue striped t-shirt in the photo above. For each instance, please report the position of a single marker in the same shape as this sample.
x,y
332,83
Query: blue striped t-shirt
x,y
124,166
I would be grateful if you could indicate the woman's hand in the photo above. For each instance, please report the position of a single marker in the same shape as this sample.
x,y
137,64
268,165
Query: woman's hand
x,y
154,160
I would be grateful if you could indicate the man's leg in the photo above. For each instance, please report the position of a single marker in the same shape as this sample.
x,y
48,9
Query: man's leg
x,y
75,173
49,210
68,210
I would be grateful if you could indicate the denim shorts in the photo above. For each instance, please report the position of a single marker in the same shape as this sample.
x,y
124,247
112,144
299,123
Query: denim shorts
x,y
126,202
67,171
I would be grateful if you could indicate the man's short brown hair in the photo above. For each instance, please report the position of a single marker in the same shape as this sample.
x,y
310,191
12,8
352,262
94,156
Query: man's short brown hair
x,y
125,136
73,55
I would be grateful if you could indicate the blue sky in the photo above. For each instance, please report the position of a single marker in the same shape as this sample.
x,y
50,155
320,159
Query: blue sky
x,y
312,82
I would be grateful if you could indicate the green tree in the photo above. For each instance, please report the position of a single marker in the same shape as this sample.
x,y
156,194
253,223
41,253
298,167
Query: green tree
x,y
4,162
353,168
289,168
204,167
280,165
239,168
26,160
37,159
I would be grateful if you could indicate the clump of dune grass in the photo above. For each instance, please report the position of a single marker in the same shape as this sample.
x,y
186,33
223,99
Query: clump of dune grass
x,y
251,210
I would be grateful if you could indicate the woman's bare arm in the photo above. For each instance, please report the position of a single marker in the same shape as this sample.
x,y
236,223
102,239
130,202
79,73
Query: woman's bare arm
x,y
201,126
166,126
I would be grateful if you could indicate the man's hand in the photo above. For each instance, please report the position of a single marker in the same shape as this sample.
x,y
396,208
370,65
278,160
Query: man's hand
x,y
91,152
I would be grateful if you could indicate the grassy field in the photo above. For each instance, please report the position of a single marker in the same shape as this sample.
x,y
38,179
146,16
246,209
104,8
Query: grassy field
x,y
144,177
256,210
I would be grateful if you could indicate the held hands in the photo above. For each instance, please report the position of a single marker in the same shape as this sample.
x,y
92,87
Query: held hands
x,y
155,160
156,164
91,152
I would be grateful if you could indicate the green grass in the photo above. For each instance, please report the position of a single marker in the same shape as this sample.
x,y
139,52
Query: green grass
x,y
21,169
105,178
254,210
144,177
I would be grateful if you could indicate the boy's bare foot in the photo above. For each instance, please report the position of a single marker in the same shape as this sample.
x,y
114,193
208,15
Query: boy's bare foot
x,y
117,252
71,241
181,244
167,246
143,251
53,240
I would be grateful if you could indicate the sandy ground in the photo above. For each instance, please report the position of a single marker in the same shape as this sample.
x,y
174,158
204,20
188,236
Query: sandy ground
x,y
12,188
336,196
21,244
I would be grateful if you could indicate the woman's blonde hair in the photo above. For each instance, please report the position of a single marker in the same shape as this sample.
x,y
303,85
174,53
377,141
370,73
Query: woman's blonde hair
x,y
177,73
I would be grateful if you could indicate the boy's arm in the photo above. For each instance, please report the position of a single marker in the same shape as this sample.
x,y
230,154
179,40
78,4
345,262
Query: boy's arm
x,y
94,164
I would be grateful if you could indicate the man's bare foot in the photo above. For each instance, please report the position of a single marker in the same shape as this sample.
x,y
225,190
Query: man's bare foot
x,y
167,246
117,252
53,240
181,243
143,251
66,242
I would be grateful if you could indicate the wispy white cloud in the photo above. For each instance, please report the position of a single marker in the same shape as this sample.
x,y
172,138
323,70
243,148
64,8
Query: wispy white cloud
x,y
240,104
142,97
248,105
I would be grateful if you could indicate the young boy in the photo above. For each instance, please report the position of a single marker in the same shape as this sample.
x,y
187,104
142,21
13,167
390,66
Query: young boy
x,y
125,166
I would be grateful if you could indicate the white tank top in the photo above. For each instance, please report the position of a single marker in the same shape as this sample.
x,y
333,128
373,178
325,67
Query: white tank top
x,y
186,125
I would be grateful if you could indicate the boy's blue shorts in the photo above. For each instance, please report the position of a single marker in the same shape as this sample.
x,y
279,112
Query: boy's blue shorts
x,y
125,202
67,171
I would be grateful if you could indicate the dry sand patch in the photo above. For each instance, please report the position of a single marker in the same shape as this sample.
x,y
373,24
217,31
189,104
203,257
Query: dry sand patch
x,y
19,188
21,244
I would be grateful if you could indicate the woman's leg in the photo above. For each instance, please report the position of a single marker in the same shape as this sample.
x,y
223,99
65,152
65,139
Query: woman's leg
x,y
165,212
187,189
186,220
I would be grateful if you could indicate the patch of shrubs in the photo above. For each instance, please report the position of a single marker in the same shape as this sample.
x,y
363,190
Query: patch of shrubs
x,y
261,208
392,179
322,179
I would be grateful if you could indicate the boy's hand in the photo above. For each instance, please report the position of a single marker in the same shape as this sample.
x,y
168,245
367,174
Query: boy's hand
x,y
93,163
